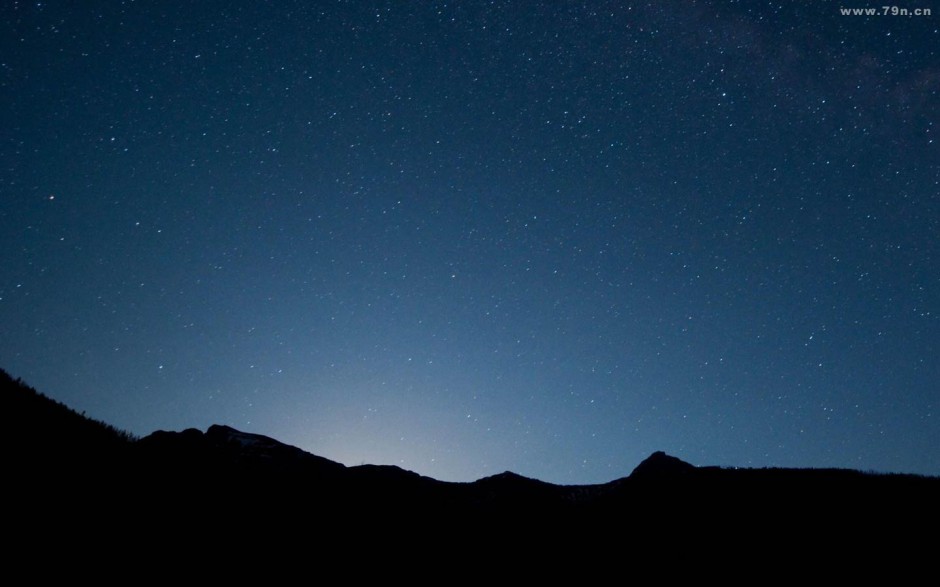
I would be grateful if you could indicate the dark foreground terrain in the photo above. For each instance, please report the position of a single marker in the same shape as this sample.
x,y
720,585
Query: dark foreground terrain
x,y
75,485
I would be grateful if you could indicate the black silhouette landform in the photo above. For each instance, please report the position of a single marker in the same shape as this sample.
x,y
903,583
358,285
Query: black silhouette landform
x,y
66,473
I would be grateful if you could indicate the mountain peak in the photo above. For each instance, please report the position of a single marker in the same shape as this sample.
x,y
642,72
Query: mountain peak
x,y
508,477
220,432
660,464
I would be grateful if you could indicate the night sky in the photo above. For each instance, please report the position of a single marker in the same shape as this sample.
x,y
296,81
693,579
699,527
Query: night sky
x,y
467,237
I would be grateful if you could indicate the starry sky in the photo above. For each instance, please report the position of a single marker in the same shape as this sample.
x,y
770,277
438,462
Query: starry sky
x,y
466,237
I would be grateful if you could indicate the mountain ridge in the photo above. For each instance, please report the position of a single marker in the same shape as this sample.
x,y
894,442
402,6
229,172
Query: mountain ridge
x,y
38,413
226,477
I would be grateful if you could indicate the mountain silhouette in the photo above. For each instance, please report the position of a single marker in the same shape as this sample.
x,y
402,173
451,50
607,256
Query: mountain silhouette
x,y
659,465
64,467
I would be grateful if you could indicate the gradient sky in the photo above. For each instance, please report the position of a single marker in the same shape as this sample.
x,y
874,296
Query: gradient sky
x,y
466,237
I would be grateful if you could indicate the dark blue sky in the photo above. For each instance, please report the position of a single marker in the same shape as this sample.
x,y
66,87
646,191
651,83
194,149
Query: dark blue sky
x,y
468,237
